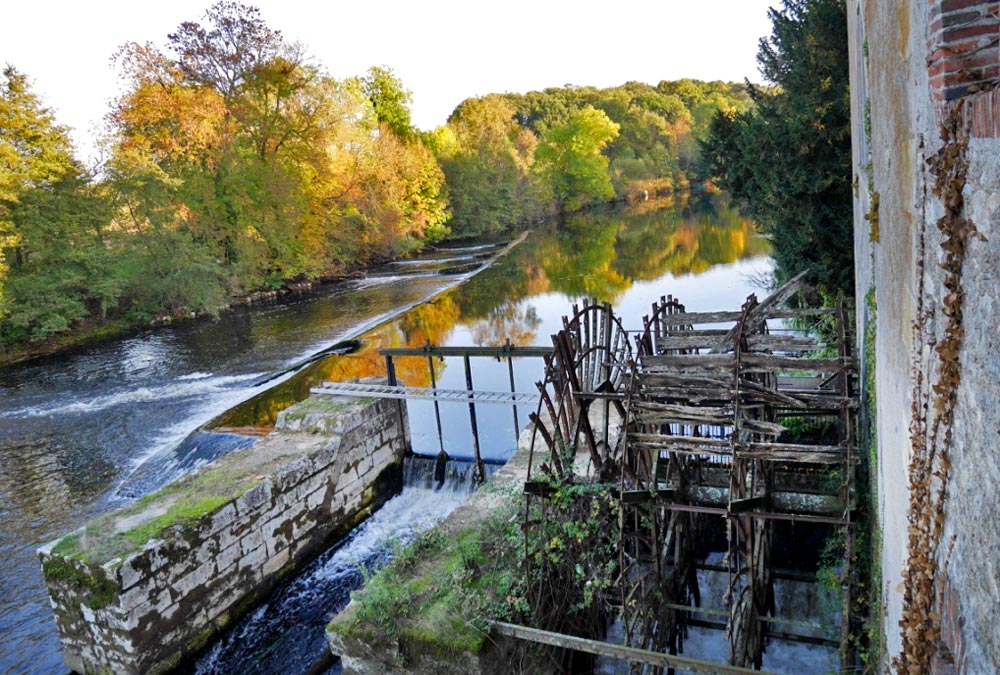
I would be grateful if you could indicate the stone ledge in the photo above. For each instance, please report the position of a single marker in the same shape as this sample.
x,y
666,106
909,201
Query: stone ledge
x,y
145,587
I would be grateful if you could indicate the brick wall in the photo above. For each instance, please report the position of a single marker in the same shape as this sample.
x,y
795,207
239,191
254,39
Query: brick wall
x,y
964,47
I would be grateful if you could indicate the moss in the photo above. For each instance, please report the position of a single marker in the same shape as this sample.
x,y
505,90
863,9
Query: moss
x,y
872,218
432,600
185,503
196,643
98,589
868,121
870,538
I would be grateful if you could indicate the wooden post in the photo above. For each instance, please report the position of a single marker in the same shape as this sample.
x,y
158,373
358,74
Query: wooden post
x,y
510,370
480,470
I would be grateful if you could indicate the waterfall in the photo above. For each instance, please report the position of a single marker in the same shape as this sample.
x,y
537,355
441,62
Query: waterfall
x,y
453,475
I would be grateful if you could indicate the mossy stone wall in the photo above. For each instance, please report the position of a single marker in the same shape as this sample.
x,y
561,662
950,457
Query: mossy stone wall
x,y
144,588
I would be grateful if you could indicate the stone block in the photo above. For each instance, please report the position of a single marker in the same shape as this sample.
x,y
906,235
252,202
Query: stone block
x,y
151,603
255,498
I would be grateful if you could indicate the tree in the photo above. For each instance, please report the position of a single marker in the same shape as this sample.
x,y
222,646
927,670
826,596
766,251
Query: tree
x,y
390,100
788,161
569,158
222,55
49,220
63,270
486,157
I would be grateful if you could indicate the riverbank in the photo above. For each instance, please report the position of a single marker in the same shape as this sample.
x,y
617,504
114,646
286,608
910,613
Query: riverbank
x,y
89,332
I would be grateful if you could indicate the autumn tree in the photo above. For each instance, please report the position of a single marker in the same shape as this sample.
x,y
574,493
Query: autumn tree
x,y
570,160
487,158
222,55
262,161
389,99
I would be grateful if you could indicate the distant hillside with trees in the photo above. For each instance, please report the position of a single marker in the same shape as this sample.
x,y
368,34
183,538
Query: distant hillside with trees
x,y
235,164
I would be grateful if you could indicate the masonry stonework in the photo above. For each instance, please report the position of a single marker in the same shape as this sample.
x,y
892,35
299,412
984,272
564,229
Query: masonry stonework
x,y
915,66
142,589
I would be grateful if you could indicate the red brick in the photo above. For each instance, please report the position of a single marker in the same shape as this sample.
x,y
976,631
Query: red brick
x,y
954,5
983,111
984,29
979,62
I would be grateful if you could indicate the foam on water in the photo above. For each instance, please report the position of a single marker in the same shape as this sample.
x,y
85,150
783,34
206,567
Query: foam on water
x,y
184,386
286,634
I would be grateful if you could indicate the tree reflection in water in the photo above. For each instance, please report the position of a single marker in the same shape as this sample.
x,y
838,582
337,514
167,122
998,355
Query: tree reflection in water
x,y
603,254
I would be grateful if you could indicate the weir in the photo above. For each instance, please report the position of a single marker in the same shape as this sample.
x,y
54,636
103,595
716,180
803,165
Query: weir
x,y
144,588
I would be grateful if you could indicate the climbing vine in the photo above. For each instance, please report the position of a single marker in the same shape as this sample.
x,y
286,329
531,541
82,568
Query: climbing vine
x,y
932,421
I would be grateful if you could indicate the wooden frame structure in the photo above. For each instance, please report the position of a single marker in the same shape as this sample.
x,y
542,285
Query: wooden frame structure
x,y
704,405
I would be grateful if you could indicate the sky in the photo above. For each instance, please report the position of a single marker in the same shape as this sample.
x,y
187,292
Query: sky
x,y
444,51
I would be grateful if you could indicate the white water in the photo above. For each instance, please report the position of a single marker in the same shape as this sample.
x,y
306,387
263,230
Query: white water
x,y
286,634
193,384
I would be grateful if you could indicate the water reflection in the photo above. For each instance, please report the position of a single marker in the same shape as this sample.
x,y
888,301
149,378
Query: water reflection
x,y
116,420
627,257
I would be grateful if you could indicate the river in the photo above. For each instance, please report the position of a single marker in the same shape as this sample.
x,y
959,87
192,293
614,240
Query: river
x,y
89,430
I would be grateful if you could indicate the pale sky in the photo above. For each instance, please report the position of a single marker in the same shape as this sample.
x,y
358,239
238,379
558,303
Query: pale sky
x,y
444,51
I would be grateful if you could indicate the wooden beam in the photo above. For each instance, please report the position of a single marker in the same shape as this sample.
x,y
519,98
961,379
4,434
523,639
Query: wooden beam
x,y
730,316
621,652
494,352
748,504
647,496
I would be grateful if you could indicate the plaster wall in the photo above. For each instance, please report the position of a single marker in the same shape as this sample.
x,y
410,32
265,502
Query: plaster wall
x,y
910,77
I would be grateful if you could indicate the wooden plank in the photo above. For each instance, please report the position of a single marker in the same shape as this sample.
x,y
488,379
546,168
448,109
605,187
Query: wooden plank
x,y
776,452
670,414
755,363
746,504
730,316
665,343
646,496
671,440
684,363
769,342
621,652
763,515
781,343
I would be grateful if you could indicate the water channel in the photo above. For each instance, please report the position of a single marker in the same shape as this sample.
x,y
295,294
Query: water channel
x,y
88,431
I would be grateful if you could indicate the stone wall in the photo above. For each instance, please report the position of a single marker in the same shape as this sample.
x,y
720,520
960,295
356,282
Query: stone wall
x,y
927,240
142,589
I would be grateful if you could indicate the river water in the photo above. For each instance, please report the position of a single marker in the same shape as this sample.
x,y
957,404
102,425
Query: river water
x,y
90,430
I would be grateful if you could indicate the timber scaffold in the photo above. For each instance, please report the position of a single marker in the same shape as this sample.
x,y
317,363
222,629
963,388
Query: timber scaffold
x,y
686,421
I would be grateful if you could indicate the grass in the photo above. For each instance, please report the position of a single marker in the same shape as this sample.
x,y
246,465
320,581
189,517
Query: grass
x,y
185,502
438,595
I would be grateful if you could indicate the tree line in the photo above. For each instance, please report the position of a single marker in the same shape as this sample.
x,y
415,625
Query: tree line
x,y
787,158
236,164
